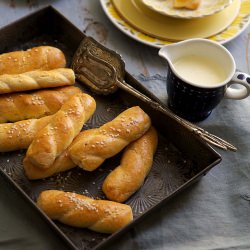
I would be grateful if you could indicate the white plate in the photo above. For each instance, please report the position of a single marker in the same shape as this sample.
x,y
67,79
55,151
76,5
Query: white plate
x,y
206,8
234,30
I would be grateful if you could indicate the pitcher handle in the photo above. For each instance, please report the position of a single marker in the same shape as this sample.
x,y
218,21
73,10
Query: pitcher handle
x,y
238,94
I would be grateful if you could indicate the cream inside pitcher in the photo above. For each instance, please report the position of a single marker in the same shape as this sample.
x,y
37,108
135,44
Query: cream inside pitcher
x,y
205,64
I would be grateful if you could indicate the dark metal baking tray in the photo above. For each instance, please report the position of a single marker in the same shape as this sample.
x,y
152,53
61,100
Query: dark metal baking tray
x,y
180,160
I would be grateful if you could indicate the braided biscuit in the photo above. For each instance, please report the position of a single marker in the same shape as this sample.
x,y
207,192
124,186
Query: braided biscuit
x,y
135,165
43,57
81,211
62,163
52,140
19,135
108,140
22,106
37,79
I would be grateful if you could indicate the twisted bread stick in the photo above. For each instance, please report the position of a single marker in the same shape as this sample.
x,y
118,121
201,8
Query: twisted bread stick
x,y
36,80
61,164
43,57
52,140
81,211
135,165
108,140
19,135
19,106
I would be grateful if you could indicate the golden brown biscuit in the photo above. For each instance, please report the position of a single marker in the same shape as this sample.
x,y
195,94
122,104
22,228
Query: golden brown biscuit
x,y
108,140
42,57
81,211
22,106
19,135
37,79
136,163
65,125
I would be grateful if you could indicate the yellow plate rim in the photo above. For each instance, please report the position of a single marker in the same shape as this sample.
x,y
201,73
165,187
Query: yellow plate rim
x,y
224,37
161,27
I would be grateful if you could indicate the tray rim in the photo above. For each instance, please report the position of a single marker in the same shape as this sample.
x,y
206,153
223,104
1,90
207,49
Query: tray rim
x,y
117,234
34,206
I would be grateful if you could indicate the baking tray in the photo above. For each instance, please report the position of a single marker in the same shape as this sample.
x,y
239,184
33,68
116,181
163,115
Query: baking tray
x,y
180,160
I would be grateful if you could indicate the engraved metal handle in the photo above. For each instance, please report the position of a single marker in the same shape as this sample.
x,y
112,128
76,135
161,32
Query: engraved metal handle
x,y
208,137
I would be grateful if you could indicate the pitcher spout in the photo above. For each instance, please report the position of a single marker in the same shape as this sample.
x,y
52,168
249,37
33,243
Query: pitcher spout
x,y
172,52
167,52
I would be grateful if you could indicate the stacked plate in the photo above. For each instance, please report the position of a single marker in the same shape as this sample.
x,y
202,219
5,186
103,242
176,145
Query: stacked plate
x,y
157,23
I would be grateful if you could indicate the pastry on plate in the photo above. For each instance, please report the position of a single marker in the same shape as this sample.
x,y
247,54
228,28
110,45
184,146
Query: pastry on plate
x,y
188,4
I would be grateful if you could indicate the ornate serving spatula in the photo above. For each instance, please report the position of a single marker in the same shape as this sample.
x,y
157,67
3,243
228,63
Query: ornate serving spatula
x,y
103,70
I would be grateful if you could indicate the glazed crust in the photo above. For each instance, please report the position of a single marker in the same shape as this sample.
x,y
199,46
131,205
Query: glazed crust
x,y
19,135
62,163
99,144
65,125
22,106
135,165
37,79
83,212
42,57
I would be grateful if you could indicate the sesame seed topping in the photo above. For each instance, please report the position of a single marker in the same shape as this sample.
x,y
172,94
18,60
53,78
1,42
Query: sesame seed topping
x,y
81,203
